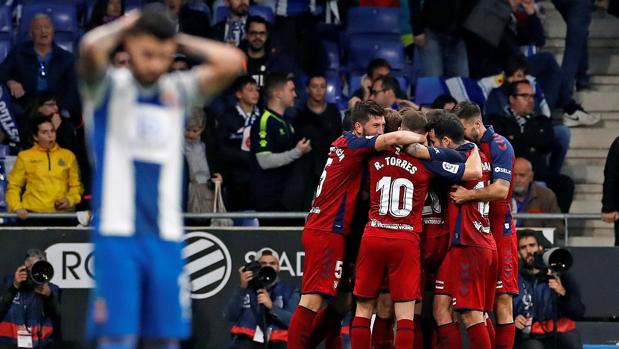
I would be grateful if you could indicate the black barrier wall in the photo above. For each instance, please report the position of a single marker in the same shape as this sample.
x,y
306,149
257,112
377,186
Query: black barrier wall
x,y
214,257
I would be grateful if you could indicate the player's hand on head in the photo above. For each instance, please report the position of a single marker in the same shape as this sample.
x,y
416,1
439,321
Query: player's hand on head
x,y
520,322
21,213
21,275
304,145
245,276
264,298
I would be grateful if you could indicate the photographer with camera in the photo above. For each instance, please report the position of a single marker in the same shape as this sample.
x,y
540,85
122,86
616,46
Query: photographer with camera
x,y
262,306
29,305
549,299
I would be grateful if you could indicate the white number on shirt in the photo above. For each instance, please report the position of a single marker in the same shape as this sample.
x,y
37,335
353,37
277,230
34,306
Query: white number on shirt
x,y
390,194
323,176
482,206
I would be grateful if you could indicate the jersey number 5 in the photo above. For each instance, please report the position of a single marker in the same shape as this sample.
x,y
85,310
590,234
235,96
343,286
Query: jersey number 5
x,y
323,176
391,196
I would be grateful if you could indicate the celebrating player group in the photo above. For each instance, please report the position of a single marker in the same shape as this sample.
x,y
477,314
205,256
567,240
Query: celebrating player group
x,y
438,228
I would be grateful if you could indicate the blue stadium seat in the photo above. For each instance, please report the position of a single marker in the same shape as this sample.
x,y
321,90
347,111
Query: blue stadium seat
x,y
246,222
364,48
201,7
332,54
63,16
376,20
427,89
254,10
66,41
5,46
334,86
6,21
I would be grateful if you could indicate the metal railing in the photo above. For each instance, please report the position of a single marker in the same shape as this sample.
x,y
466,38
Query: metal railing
x,y
565,217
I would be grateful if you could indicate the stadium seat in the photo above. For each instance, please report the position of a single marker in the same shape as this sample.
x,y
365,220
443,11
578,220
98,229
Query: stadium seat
x,y
66,41
6,21
201,7
63,16
373,20
255,10
332,54
246,222
334,86
363,48
427,89
5,46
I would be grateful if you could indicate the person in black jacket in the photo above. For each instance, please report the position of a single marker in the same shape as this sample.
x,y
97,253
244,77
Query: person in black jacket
x,y
232,28
532,137
610,195
188,21
233,128
41,65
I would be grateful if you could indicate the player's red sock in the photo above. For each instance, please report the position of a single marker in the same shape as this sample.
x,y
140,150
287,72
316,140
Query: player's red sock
x,y
478,336
300,327
405,334
505,334
360,335
418,344
491,332
449,336
327,325
382,334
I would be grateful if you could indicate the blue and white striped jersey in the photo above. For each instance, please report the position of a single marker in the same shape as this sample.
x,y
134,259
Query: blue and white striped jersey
x,y
136,139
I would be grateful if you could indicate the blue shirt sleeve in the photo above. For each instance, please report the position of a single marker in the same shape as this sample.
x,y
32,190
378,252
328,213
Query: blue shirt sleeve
x,y
502,159
355,142
451,172
446,154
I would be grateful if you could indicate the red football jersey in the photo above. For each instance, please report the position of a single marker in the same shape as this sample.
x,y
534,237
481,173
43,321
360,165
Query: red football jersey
x,y
468,223
433,215
334,201
398,187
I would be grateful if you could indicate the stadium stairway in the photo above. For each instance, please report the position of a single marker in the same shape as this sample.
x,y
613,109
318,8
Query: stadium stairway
x,y
589,145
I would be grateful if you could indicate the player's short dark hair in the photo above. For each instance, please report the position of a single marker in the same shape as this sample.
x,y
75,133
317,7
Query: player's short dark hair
x,y
442,100
467,110
314,76
274,82
393,120
375,64
512,87
515,63
36,121
242,81
362,111
256,19
413,120
154,21
433,116
390,83
449,126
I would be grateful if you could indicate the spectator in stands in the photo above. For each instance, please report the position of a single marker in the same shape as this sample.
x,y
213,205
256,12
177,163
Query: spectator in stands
x,y
610,195
46,104
105,11
252,298
180,63
200,165
41,65
532,137
45,178
263,60
385,91
24,303
548,303
321,123
445,102
376,68
532,197
188,21
120,58
232,28
233,129
437,27
273,145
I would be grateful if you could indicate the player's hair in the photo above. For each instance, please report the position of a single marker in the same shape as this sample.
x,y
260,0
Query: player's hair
x,y
274,82
375,64
433,116
449,126
512,88
154,21
393,120
256,19
196,118
515,63
442,100
413,120
242,81
467,110
362,111
36,121
390,83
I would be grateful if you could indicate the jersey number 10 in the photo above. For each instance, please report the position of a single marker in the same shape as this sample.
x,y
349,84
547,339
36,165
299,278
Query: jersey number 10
x,y
391,193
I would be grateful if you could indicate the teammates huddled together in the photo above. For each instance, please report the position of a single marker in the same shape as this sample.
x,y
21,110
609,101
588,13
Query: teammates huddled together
x,y
439,227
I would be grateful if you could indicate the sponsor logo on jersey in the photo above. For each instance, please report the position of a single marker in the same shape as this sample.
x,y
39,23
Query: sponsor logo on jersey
x,y
451,168
502,170
485,166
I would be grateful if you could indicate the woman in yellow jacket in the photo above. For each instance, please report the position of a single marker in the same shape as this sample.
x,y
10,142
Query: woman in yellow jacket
x,y
45,178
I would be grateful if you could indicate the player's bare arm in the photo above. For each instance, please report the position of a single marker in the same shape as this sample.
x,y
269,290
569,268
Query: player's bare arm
x,y
472,166
223,63
383,142
97,45
497,190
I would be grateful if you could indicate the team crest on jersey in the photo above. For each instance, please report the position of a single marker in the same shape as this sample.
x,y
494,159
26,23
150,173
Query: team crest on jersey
x,y
61,162
452,168
282,132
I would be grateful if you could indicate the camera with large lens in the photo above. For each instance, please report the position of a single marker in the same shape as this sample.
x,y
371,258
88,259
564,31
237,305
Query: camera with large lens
x,y
263,276
553,261
40,273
